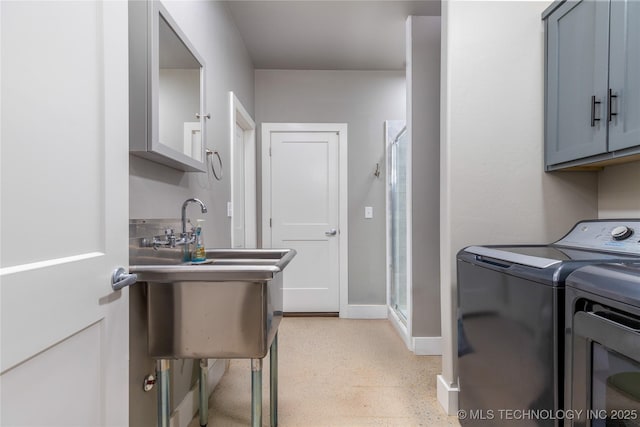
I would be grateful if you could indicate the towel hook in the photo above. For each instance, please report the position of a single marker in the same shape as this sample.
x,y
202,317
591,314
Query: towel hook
x,y
377,172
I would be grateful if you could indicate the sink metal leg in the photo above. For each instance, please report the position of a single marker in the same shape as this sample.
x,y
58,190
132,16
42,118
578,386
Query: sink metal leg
x,y
204,396
164,409
256,392
273,380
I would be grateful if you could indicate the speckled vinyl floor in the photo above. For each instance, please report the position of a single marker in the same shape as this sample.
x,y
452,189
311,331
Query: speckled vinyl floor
x,y
336,372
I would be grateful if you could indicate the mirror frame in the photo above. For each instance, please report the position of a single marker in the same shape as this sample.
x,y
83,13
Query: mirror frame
x,y
144,80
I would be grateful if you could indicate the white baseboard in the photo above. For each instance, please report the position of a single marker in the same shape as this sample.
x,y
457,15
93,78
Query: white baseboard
x,y
427,346
365,311
420,346
188,408
447,396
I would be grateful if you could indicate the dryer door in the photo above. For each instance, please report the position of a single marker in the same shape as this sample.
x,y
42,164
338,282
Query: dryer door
x,y
606,348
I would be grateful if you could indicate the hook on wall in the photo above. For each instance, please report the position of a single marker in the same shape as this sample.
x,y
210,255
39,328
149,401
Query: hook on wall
x,y
377,172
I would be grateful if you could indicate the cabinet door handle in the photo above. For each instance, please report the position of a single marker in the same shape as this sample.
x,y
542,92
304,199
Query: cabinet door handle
x,y
593,110
609,105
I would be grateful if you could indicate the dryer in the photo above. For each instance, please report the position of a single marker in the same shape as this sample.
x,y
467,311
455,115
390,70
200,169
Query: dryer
x,y
602,375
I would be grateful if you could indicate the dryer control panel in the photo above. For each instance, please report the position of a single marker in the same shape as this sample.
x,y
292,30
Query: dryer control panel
x,y
610,235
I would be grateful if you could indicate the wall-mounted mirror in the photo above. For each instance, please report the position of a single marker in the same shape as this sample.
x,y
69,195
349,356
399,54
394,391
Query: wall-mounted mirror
x,y
166,78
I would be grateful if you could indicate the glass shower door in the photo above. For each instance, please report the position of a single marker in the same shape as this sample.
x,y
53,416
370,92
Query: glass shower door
x,y
397,187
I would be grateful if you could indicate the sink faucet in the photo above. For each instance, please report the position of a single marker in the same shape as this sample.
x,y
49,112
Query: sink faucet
x,y
170,240
184,237
203,209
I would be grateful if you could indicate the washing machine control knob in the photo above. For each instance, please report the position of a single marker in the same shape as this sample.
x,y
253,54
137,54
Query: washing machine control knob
x,y
621,232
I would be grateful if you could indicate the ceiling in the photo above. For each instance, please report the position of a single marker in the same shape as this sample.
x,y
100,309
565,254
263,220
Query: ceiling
x,y
327,34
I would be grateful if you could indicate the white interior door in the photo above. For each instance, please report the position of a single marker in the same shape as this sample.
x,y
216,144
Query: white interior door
x,y
64,213
305,216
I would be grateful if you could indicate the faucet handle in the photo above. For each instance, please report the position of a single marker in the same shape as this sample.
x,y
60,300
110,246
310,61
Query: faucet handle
x,y
168,232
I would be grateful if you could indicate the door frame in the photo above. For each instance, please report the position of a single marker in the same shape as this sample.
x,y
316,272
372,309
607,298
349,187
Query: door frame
x,y
404,329
341,130
239,115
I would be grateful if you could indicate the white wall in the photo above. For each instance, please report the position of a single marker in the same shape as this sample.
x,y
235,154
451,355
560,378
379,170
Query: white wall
x,y
158,191
619,191
363,100
494,189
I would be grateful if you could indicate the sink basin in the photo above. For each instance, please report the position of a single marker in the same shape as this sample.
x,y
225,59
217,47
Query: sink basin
x,y
230,307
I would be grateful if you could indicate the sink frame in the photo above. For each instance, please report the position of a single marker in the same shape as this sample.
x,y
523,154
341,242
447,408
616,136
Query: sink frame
x,y
229,308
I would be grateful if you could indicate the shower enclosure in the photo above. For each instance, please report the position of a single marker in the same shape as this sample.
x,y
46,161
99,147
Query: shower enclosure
x,y
397,146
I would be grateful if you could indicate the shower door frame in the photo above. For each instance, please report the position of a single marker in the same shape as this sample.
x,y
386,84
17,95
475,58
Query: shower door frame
x,y
404,328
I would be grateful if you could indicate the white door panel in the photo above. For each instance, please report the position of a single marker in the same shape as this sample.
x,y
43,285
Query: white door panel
x,y
46,136
79,383
304,207
38,301
64,213
308,285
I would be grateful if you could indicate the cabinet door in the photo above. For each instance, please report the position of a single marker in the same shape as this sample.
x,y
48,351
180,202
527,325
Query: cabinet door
x,y
577,66
624,74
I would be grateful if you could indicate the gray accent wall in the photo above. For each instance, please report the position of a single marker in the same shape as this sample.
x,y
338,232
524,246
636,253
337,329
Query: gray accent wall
x,y
157,191
363,100
423,126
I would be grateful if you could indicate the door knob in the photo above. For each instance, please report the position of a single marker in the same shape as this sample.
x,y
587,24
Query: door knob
x,y
331,232
121,279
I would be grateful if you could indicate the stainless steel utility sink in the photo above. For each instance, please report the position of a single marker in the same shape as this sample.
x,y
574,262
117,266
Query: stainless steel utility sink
x,y
227,307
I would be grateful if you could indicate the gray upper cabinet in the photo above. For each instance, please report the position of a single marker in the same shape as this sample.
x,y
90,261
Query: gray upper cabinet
x,y
166,90
592,113
576,80
624,75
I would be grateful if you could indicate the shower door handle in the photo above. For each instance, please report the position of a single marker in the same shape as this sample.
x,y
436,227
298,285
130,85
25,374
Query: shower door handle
x,y
331,232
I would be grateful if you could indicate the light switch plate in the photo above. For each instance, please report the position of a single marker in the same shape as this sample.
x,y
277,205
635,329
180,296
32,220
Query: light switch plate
x,y
368,212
